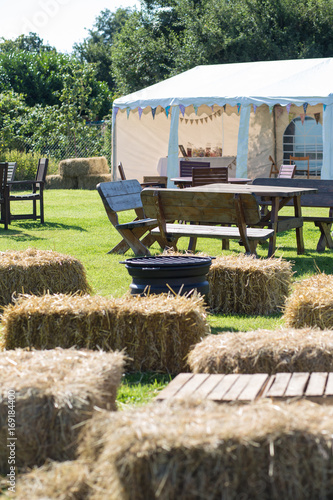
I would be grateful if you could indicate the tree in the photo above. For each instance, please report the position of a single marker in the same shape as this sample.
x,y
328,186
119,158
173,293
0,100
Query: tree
x,y
96,48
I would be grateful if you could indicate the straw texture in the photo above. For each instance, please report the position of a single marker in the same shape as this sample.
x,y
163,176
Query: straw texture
x,y
54,391
156,331
193,451
39,271
76,167
311,303
264,351
242,284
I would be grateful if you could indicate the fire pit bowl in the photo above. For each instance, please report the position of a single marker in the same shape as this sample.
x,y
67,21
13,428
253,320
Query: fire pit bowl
x,y
162,273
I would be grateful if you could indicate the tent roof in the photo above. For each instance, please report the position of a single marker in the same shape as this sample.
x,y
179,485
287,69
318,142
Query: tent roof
x,y
295,81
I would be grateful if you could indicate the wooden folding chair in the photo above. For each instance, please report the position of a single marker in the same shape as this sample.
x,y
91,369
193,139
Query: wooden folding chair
x,y
211,175
185,167
287,171
301,158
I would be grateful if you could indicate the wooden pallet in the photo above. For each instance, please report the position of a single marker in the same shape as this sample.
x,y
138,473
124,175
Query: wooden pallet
x,y
245,388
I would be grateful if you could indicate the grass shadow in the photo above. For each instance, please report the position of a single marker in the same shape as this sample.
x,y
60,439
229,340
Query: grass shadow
x,y
37,226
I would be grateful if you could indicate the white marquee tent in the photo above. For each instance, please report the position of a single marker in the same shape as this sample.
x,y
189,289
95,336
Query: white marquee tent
x,y
241,108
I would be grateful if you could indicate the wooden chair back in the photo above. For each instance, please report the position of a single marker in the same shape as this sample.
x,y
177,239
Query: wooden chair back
x,y
121,171
119,196
211,175
185,167
301,158
4,194
42,167
12,166
274,169
202,207
287,171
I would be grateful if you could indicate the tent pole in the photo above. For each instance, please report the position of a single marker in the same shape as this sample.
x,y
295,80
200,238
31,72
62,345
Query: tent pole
x,y
274,134
113,146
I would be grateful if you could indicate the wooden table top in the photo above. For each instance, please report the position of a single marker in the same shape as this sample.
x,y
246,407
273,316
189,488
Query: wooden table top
x,y
235,387
259,190
188,180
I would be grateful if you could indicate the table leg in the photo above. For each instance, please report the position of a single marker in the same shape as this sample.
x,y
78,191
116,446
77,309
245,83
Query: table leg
x,y
274,224
299,230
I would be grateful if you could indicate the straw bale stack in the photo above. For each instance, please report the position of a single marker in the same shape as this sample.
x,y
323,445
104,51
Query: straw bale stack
x,y
39,271
311,303
264,351
54,391
77,167
242,284
157,331
192,451
80,173
58,182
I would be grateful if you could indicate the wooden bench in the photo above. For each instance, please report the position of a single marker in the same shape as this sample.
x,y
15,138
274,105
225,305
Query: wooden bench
x,y
244,388
122,196
322,199
204,210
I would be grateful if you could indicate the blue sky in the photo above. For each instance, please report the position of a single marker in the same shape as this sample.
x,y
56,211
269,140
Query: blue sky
x,y
61,23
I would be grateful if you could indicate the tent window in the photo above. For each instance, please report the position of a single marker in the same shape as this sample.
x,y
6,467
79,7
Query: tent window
x,y
304,139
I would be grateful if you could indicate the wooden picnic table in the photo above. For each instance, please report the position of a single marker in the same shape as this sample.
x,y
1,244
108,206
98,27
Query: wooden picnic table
x,y
184,182
243,388
279,196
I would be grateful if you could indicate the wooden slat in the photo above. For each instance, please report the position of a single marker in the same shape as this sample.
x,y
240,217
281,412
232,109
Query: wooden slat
x,y
174,386
208,385
226,383
214,231
236,389
297,385
329,385
316,385
279,385
254,387
191,385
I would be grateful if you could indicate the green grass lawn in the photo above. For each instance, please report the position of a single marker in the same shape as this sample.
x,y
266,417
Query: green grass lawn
x,y
76,224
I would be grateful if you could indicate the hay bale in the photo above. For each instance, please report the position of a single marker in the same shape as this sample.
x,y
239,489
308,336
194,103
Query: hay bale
x,y
59,182
157,331
77,167
311,303
264,351
60,480
54,391
242,284
39,271
192,451
90,181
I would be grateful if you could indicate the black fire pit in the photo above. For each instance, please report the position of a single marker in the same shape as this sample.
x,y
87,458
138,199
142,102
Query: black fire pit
x,y
162,273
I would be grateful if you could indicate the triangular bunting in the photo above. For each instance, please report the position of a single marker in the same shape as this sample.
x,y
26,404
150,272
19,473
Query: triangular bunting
x,y
324,106
317,117
167,109
182,109
305,107
115,110
254,108
288,108
153,112
128,111
302,116
140,112
195,108
238,107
